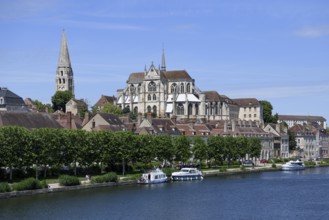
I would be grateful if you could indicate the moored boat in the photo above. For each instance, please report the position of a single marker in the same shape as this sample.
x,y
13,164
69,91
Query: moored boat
x,y
187,174
153,176
293,165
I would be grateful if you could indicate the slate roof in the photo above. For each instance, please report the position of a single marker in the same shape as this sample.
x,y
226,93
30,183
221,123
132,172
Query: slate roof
x,y
28,120
105,99
12,101
173,75
301,118
111,119
247,102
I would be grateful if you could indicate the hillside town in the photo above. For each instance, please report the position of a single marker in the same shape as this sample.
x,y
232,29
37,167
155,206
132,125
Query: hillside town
x,y
158,101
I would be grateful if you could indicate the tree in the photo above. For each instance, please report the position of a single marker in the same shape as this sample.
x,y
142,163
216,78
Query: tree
x,y
292,140
113,109
60,99
182,148
200,149
267,112
42,107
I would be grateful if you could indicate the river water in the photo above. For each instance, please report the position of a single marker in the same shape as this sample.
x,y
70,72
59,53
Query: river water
x,y
268,195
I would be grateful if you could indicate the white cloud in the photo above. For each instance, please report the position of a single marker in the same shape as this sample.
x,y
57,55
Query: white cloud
x,y
316,31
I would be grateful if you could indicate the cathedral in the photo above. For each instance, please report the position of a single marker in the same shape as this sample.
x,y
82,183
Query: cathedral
x,y
173,93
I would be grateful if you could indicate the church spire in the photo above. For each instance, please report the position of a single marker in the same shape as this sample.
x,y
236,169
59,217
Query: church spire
x,y
163,61
64,73
64,56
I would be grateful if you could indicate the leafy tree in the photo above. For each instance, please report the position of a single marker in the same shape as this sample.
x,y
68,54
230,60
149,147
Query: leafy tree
x,y
113,109
216,149
254,147
292,140
60,99
267,112
143,148
42,107
182,148
165,150
200,149
14,147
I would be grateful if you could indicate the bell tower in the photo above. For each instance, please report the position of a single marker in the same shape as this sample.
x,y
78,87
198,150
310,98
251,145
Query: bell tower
x,y
64,73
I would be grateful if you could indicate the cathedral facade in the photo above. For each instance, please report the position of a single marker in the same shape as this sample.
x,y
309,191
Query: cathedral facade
x,y
173,94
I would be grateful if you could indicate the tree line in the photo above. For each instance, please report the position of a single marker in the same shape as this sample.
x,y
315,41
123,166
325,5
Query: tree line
x,y
20,147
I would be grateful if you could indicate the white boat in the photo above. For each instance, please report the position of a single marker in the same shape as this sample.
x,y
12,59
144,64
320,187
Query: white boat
x,y
293,165
153,176
187,174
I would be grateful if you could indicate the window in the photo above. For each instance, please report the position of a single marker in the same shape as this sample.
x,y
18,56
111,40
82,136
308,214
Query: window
x,y
149,109
152,87
255,115
1,100
180,109
63,81
132,89
149,97
154,109
249,115
62,73
244,116
190,109
154,97
59,80
182,88
196,109
173,88
136,110
188,87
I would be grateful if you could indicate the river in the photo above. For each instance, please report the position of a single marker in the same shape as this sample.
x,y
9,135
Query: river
x,y
268,195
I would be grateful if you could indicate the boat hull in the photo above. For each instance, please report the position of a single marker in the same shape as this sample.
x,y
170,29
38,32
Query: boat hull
x,y
187,177
291,168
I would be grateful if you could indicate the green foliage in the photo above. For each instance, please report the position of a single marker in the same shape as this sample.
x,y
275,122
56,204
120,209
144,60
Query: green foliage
x,y
273,165
59,100
42,107
112,109
66,180
309,163
109,177
267,112
292,140
222,169
4,187
182,148
168,171
27,184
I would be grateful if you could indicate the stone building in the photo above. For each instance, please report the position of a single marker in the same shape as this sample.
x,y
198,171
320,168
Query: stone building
x,y
292,120
173,94
250,109
64,72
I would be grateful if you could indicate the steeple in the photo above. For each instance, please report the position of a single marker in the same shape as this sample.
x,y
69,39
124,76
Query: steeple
x,y
163,61
64,73
64,56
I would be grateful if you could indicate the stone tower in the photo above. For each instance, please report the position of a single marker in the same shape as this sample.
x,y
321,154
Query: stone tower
x,y
64,73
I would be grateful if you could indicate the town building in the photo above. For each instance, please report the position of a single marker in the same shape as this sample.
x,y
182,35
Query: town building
x,y
76,106
103,101
280,139
104,121
250,109
11,102
292,120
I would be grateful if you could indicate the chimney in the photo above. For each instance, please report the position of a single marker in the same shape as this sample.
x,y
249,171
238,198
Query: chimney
x,y
86,118
69,120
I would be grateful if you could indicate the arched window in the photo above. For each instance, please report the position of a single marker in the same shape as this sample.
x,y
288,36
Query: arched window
x,y
182,88
154,97
152,87
173,87
62,73
63,81
149,97
60,80
132,89
139,88
180,109
149,109
136,110
216,108
154,109
1,101
188,87
196,109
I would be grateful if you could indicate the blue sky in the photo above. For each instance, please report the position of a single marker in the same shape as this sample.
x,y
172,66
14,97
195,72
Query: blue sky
x,y
270,50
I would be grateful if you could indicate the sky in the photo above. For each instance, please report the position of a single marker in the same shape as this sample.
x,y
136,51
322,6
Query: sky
x,y
269,50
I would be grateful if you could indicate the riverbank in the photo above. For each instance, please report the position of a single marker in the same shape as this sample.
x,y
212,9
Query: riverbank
x,y
55,187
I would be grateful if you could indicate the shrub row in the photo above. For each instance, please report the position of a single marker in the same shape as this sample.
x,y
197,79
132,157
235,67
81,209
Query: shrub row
x,y
66,180
29,184
4,187
109,177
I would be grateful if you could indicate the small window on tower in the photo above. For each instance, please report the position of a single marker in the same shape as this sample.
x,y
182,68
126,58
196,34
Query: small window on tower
x,y
62,73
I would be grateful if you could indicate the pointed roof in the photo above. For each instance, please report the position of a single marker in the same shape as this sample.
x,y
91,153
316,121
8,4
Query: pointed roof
x,y
64,56
163,61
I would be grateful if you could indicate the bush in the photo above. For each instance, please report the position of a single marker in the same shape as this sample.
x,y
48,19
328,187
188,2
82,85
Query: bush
x,y
27,184
222,169
66,180
273,165
309,163
4,187
168,171
109,177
